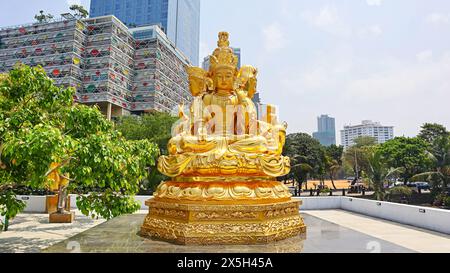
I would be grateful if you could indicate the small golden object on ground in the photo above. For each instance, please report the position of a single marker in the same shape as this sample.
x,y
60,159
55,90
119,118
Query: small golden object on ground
x,y
62,218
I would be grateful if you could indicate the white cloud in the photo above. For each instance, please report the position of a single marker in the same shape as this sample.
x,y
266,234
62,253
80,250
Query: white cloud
x,y
424,55
328,70
408,80
374,30
438,18
374,2
327,16
398,92
274,37
327,19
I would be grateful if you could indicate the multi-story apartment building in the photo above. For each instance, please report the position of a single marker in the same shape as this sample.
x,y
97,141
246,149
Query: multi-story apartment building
x,y
119,69
179,19
368,128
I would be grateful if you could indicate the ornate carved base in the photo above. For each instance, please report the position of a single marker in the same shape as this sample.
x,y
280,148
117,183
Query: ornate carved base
x,y
208,224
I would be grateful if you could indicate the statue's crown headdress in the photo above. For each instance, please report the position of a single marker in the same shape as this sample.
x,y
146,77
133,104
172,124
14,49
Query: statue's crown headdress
x,y
223,56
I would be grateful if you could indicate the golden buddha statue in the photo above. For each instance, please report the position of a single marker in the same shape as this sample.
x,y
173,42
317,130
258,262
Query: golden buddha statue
x,y
222,136
221,156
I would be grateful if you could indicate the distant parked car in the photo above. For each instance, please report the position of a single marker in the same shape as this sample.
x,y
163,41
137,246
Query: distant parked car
x,y
423,186
419,186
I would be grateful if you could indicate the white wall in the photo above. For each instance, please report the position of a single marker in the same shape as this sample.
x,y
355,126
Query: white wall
x,y
142,199
319,202
36,204
422,217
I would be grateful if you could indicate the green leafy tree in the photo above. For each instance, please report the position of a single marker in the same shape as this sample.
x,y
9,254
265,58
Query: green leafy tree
x,y
438,139
407,153
430,132
364,141
155,127
43,18
307,157
9,206
40,124
80,11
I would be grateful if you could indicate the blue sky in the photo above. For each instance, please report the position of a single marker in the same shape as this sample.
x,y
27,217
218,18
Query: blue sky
x,y
384,60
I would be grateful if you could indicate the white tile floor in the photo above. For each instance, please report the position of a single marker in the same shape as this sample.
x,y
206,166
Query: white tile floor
x,y
33,233
416,239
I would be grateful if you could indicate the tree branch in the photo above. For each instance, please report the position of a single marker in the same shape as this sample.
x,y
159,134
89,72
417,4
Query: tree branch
x,y
65,162
7,187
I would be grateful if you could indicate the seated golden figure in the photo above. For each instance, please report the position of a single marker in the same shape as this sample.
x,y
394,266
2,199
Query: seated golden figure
x,y
221,136
223,163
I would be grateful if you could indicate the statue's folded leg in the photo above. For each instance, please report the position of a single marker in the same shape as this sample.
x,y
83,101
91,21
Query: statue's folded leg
x,y
173,166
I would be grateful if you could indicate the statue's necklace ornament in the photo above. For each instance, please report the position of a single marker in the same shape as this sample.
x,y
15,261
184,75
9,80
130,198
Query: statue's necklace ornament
x,y
223,163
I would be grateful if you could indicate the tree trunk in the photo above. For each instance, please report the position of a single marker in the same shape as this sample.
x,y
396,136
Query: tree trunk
x,y
6,223
62,199
332,181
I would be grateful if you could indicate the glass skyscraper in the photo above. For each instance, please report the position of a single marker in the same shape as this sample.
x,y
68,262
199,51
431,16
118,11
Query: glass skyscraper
x,y
326,133
180,19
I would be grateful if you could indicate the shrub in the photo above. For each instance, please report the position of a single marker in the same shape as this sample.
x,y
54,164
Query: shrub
x,y
402,190
447,201
439,200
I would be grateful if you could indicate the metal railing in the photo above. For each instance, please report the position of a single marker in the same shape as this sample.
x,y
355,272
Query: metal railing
x,y
55,20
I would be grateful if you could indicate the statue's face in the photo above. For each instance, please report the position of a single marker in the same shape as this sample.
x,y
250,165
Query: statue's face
x,y
224,79
197,86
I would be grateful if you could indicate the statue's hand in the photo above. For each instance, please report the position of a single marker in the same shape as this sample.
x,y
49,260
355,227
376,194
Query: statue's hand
x,y
181,113
202,133
242,95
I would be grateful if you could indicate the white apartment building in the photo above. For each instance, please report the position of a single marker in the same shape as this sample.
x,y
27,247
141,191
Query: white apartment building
x,y
367,128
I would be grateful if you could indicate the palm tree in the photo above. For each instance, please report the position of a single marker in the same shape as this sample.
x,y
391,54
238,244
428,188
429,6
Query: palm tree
x,y
378,172
440,176
332,167
300,171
